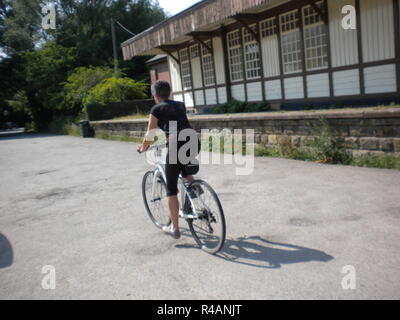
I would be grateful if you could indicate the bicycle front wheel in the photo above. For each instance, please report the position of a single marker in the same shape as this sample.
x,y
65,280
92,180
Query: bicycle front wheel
x,y
209,229
155,199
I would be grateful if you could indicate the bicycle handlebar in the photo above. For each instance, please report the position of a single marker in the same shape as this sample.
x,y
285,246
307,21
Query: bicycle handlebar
x,y
155,147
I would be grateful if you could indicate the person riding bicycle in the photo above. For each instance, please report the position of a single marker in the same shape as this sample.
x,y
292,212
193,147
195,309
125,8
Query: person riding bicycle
x,y
170,116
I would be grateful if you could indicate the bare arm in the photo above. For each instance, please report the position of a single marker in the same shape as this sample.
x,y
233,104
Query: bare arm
x,y
153,122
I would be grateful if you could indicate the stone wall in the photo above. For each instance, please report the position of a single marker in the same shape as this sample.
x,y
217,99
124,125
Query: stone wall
x,y
364,131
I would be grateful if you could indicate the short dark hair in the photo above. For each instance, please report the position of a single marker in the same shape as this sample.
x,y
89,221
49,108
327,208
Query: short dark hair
x,y
161,89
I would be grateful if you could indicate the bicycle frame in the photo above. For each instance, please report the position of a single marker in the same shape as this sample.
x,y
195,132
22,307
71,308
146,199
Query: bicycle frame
x,y
160,171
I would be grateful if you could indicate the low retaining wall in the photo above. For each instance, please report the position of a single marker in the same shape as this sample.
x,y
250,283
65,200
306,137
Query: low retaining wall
x,y
364,131
119,109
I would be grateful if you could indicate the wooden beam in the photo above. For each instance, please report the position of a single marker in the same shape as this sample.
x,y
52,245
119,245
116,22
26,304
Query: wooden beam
x,y
247,26
196,38
166,50
223,33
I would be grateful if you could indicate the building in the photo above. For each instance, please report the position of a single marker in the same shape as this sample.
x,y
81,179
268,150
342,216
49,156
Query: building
x,y
159,69
281,51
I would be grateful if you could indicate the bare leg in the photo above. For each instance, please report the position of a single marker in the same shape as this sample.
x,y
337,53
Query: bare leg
x,y
189,178
173,206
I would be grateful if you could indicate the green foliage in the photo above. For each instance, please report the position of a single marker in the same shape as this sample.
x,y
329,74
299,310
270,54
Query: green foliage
x,y
38,61
116,90
81,81
235,106
65,126
326,146
45,71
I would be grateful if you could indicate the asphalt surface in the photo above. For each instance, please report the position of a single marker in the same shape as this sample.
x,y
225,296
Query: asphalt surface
x,y
75,204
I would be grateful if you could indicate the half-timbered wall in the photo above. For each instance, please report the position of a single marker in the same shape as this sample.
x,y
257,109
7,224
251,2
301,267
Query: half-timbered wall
x,y
299,55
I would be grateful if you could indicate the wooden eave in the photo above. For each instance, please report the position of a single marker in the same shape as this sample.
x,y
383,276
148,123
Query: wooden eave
x,y
202,19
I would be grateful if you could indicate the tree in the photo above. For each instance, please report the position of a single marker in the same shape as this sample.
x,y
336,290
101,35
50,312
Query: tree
x,y
116,90
45,72
20,25
81,81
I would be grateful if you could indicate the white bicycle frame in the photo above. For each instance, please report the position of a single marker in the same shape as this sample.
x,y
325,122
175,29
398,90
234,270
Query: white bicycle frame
x,y
160,171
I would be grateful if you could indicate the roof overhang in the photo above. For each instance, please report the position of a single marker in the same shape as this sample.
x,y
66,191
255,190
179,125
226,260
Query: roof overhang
x,y
205,17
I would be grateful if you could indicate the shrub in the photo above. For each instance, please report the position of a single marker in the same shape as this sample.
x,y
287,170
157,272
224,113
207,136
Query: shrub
x,y
235,106
116,90
326,146
81,81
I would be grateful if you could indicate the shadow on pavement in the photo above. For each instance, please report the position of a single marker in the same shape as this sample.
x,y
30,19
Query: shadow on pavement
x,y
6,252
4,136
257,252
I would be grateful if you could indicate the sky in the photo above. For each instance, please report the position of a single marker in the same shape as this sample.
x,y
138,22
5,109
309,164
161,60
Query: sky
x,y
176,6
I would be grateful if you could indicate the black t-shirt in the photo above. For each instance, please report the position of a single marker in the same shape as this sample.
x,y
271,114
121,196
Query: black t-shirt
x,y
170,110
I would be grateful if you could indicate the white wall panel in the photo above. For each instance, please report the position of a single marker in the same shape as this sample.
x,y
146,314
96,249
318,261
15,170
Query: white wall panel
x,y
294,88
222,96
219,60
238,92
178,97
377,22
273,90
175,74
196,72
380,79
254,91
199,98
211,96
318,85
344,46
189,99
270,52
346,83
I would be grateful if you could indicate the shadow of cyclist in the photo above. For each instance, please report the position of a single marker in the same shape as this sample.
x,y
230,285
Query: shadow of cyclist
x,y
257,252
6,252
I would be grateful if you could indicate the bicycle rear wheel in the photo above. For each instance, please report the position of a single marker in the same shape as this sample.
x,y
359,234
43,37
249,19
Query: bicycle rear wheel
x,y
209,229
155,199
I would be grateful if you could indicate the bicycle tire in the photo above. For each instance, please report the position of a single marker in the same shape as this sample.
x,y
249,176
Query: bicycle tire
x,y
157,221
204,245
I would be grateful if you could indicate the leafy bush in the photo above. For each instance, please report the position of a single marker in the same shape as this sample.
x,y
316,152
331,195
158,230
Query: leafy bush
x,y
65,126
235,106
326,146
81,81
116,90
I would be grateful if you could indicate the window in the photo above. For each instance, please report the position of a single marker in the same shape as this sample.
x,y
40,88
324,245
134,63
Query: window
x,y
208,65
315,38
235,55
251,54
194,52
268,27
291,42
185,69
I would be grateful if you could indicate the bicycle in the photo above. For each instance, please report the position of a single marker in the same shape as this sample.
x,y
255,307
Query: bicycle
x,y
199,205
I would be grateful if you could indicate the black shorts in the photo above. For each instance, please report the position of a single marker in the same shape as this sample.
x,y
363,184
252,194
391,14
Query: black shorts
x,y
174,168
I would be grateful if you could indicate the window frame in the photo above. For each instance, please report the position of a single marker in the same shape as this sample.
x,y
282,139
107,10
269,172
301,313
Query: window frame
x,y
291,28
317,24
235,45
254,64
208,66
186,72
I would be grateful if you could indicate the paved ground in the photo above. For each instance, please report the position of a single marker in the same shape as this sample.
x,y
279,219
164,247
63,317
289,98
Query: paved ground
x,y
75,204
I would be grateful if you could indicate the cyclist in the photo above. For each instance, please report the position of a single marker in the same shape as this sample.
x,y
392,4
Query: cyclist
x,y
170,116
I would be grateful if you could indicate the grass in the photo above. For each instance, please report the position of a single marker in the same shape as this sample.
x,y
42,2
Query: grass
x,y
132,117
100,134
306,109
